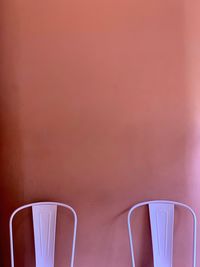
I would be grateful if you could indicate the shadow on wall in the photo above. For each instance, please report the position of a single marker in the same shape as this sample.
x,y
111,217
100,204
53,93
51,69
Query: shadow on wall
x,y
115,130
11,175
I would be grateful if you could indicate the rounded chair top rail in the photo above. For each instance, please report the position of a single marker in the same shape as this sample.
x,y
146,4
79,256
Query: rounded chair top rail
x,y
42,204
176,203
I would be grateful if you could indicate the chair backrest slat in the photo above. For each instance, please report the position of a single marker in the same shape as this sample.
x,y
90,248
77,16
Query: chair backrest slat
x,y
44,225
162,227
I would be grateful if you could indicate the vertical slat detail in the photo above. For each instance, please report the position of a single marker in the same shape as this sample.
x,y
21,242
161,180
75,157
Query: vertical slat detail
x,y
44,225
162,228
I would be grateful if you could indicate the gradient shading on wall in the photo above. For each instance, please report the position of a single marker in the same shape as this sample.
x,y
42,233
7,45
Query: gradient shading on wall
x,y
97,110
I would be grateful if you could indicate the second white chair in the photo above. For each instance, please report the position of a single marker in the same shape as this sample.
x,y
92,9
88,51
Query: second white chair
x,y
162,229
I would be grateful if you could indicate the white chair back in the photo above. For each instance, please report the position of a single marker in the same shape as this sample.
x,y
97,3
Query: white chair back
x,y
44,228
162,229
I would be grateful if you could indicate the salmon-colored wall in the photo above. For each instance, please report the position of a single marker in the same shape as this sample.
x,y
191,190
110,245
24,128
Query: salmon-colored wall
x,y
99,108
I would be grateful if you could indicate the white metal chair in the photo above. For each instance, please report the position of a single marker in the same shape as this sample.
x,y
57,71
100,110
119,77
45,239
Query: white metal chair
x,y
44,226
162,224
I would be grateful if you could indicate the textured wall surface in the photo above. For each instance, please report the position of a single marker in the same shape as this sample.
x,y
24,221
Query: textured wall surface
x,y
99,108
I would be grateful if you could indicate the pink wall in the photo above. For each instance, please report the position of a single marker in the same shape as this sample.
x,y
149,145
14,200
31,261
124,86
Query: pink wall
x,y
99,109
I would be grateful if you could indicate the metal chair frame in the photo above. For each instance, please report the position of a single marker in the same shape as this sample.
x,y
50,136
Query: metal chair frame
x,y
152,204
51,208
